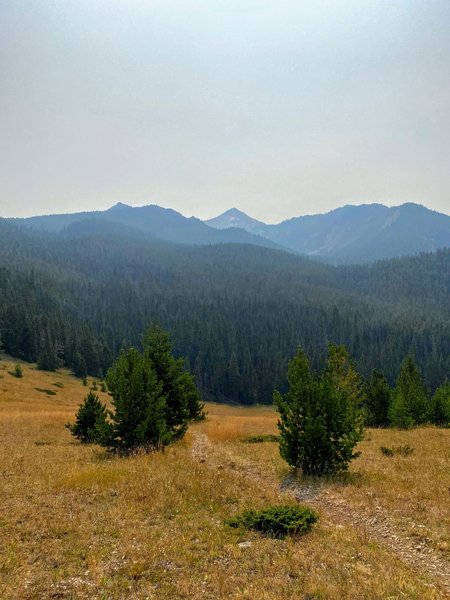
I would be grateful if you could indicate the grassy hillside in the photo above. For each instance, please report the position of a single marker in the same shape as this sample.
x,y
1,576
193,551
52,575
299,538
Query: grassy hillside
x,y
77,523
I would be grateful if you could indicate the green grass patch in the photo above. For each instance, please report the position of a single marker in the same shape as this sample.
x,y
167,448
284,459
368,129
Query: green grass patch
x,y
276,521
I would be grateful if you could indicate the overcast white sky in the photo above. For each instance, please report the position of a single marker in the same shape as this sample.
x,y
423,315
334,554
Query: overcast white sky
x,y
280,108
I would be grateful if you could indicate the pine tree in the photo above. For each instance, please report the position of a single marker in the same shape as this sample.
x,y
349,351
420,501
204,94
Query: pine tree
x,y
90,422
79,365
378,399
409,405
320,423
233,378
182,399
48,356
153,397
139,415
344,375
439,412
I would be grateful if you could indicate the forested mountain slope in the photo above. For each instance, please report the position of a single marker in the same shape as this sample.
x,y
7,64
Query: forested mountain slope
x,y
354,234
236,311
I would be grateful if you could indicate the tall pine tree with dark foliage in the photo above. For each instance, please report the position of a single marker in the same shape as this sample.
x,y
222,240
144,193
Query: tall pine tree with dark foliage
x,y
378,399
320,420
409,405
439,411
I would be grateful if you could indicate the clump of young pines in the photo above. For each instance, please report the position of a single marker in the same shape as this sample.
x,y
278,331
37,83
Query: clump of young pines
x,y
153,398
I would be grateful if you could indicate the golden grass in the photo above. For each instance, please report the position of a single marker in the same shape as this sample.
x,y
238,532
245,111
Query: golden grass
x,y
235,422
77,523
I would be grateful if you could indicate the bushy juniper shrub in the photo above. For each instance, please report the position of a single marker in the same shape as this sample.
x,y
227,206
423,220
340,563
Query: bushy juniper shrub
x,y
258,439
399,450
276,521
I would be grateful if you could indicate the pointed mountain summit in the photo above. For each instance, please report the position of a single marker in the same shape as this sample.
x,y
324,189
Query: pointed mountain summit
x,y
118,206
234,217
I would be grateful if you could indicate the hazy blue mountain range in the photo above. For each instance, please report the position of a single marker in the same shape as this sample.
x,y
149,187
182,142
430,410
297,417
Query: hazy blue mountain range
x,y
353,234
350,234
155,221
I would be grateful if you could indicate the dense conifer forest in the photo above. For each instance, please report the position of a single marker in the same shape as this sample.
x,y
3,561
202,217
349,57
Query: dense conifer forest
x,y
237,312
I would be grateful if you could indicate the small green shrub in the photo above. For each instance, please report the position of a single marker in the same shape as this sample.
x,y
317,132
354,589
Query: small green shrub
x,y
18,372
399,450
58,384
276,521
258,439
45,391
103,387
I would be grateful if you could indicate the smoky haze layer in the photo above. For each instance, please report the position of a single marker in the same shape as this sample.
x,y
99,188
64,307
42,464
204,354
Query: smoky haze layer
x,y
280,108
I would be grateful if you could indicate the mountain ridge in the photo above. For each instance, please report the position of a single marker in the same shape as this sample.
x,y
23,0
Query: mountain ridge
x,y
156,221
358,233
350,234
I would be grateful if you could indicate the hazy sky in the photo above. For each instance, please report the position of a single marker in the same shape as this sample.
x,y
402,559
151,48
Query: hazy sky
x,y
280,108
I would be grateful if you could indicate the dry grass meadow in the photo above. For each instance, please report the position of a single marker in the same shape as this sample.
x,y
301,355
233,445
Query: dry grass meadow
x,y
78,523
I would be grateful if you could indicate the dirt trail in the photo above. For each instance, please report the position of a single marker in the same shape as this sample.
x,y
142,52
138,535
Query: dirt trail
x,y
375,526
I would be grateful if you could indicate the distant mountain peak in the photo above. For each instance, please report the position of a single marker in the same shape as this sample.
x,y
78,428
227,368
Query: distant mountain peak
x,y
233,217
118,206
235,211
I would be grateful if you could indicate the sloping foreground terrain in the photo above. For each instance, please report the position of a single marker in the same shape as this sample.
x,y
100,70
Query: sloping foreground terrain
x,y
77,523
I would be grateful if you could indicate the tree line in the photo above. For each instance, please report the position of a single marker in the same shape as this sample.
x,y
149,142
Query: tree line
x,y
321,415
